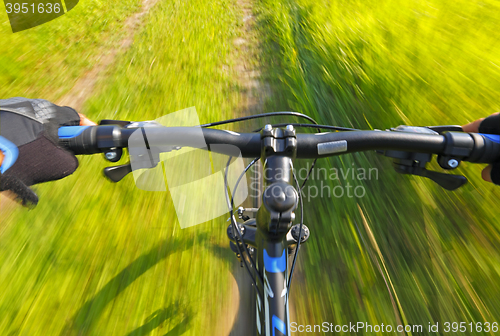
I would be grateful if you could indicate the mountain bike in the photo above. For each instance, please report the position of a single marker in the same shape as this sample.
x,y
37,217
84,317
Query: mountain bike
x,y
265,243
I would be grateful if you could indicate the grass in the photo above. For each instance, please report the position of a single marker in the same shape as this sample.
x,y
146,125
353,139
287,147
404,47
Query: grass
x,y
46,61
96,258
380,64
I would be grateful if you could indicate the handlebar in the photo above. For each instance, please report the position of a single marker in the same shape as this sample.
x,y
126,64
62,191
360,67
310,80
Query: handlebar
x,y
472,147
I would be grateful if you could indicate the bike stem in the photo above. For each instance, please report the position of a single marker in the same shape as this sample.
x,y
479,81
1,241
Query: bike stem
x,y
274,220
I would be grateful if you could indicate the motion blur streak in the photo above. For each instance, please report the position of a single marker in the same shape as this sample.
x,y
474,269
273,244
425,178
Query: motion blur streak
x,y
96,258
377,64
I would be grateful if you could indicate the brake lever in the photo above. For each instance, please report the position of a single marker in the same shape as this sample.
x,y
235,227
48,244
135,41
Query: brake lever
x,y
447,181
117,173
121,123
446,128
414,164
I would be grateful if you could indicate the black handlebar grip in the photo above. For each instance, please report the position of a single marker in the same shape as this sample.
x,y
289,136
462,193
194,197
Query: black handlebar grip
x,y
89,139
486,148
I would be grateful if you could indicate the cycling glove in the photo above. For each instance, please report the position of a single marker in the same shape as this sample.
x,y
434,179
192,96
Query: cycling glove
x,y
491,125
29,128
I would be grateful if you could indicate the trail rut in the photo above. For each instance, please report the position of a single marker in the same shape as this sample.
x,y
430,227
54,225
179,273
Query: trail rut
x,y
254,93
84,86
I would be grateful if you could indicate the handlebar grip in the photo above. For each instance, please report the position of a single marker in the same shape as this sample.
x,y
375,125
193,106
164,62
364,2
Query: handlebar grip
x,y
486,148
492,137
89,139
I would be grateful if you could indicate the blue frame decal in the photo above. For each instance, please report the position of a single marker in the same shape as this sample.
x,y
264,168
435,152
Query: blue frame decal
x,y
278,324
10,152
274,265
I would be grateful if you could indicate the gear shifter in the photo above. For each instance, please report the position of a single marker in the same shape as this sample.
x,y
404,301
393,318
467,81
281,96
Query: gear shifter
x,y
415,163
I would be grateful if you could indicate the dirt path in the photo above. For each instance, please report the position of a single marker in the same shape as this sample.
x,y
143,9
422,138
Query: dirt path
x,y
252,98
83,88
247,64
255,93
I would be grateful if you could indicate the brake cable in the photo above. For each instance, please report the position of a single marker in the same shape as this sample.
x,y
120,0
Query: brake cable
x,y
235,227
299,187
300,231
257,116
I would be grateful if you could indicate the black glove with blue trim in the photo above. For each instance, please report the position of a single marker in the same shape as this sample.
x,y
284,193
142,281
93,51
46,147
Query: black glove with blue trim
x,y
491,125
29,142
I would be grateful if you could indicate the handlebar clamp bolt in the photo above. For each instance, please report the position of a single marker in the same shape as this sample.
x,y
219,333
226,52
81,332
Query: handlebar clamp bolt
x,y
268,128
111,155
289,128
453,163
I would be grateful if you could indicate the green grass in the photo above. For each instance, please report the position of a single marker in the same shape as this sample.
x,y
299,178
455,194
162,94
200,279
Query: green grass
x,y
46,61
379,64
96,258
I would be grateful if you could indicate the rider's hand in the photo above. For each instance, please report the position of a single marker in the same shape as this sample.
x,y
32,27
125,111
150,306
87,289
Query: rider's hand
x,y
31,125
489,125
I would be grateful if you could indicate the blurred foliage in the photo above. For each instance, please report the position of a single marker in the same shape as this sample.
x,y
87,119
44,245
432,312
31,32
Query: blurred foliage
x,y
379,64
96,258
46,61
